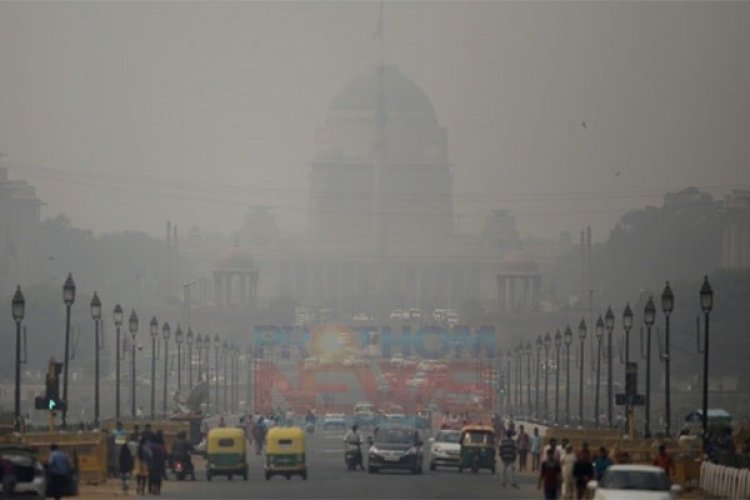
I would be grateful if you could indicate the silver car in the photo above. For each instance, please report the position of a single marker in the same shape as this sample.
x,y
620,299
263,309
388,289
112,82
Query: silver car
x,y
30,475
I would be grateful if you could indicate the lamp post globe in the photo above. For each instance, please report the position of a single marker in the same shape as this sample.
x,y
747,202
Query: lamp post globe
x,y
69,290
599,332
165,334
582,339
707,304
117,316
18,308
69,296
96,308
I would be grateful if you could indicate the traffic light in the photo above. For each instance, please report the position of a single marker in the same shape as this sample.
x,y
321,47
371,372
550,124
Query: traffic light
x,y
51,400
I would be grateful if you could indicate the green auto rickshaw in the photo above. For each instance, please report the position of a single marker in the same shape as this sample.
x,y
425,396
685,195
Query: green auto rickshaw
x,y
477,448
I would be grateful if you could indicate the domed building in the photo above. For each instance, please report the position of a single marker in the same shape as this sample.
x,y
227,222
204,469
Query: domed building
x,y
380,162
381,224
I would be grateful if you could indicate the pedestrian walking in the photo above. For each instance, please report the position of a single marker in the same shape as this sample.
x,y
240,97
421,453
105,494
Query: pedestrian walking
x,y
60,471
601,463
140,466
523,443
508,457
156,468
663,460
536,450
549,476
126,463
567,464
583,471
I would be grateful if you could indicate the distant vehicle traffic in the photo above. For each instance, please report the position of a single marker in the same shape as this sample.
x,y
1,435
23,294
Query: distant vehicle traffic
x,y
334,421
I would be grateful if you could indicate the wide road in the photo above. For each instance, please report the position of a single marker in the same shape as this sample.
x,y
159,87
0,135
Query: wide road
x,y
328,478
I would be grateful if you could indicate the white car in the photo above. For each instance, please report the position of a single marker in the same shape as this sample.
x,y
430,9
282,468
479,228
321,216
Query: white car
x,y
397,314
445,449
397,361
634,482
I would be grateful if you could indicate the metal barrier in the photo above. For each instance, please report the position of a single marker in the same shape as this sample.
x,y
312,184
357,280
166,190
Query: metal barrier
x,y
88,450
724,481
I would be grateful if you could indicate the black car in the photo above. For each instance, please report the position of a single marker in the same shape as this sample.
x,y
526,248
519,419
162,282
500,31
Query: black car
x,y
395,449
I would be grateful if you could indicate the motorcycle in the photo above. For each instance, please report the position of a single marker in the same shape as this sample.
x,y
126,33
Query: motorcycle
x,y
182,469
352,456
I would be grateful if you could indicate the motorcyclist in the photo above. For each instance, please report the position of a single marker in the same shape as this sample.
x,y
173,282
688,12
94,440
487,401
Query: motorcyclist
x,y
353,438
181,450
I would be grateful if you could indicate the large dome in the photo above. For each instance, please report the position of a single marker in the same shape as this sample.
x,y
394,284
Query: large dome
x,y
400,92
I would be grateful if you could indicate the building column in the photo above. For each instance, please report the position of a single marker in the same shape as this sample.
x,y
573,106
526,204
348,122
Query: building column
x,y
512,293
228,284
243,288
218,289
501,296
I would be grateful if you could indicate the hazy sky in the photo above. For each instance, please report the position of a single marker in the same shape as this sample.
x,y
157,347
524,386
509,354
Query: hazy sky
x,y
127,114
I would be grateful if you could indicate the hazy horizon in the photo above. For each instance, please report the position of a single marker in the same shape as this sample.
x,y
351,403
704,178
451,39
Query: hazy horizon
x,y
125,115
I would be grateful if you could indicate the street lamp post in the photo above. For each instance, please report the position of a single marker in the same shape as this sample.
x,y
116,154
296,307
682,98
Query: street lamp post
x,y
178,340
667,306
649,316
528,377
546,375
133,325
538,345
599,332
217,346
207,349
18,307
609,323
117,313
707,303
225,351
235,379
568,338
154,331
558,344
519,378
96,315
69,296
627,325
582,338
165,332
189,341
199,349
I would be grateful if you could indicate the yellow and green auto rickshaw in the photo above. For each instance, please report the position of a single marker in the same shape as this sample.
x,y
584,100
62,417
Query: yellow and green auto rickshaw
x,y
477,448
285,452
226,453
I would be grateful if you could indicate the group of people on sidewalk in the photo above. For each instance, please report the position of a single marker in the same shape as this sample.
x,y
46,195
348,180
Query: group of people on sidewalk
x,y
142,455
563,472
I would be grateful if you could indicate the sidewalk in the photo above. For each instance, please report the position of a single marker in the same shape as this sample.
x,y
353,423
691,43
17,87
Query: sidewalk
x,y
111,489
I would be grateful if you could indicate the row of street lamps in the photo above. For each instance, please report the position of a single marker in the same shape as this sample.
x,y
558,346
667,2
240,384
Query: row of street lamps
x,y
202,343
606,323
